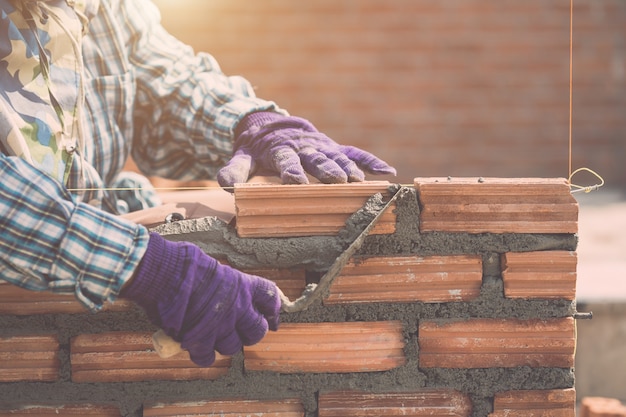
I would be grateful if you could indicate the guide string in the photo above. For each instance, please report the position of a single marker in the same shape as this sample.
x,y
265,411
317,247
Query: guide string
x,y
575,188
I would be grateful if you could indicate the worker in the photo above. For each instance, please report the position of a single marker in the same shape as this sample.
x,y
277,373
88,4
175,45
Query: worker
x,y
84,85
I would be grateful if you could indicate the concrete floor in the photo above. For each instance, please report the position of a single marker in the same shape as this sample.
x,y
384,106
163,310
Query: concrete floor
x,y
601,288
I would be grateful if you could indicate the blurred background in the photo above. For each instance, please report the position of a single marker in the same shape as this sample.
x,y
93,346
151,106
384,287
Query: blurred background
x,y
436,88
459,88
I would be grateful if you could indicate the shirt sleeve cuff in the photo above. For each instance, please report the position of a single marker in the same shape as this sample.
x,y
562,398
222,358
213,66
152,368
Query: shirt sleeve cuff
x,y
98,254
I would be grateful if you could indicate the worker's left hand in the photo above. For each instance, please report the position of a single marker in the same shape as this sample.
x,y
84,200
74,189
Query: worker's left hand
x,y
290,147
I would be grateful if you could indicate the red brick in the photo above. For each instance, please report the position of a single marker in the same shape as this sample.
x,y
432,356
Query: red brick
x,y
130,357
29,358
542,274
41,410
329,347
601,407
429,279
227,408
291,282
496,205
491,343
535,403
440,403
270,210
19,301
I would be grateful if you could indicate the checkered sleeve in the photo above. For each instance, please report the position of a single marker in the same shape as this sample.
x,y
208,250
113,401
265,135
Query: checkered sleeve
x,y
50,242
186,108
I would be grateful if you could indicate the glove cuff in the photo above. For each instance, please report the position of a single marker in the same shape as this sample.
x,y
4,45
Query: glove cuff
x,y
256,119
161,264
261,123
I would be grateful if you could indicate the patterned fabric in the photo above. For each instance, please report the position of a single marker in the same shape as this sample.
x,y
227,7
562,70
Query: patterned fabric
x,y
82,86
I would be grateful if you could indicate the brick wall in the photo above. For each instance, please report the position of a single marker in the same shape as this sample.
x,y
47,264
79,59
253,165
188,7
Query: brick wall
x,y
455,87
427,318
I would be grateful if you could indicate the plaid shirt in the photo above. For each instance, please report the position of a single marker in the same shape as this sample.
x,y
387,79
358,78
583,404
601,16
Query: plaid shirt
x,y
144,94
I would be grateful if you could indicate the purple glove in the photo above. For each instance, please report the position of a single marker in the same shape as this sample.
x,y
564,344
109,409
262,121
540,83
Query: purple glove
x,y
200,303
269,143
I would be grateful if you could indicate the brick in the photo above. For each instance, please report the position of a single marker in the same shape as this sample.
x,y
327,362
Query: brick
x,y
41,410
270,210
429,279
601,407
291,282
441,403
19,301
535,403
541,274
329,347
493,343
33,358
227,408
130,357
496,205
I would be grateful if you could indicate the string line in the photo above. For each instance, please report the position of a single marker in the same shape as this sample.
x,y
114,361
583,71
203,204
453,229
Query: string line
x,y
571,82
576,188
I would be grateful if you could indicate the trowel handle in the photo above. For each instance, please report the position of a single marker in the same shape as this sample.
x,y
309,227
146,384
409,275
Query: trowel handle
x,y
164,345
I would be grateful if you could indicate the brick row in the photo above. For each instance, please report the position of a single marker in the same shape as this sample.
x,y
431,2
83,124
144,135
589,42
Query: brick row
x,y
19,301
542,274
496,205
602,407
41,410
329,347
270,210
227,408
130,357
492,343
407,279
535,403
32,358
442,403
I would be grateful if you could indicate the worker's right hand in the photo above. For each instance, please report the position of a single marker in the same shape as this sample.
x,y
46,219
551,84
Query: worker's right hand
x,y
200,303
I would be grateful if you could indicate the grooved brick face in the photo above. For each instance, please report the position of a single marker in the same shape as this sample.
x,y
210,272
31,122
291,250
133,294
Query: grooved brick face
x,y
535,403
542,274
227,408
391,279
421,403
496,205
67,410
329,347
130,357
22,302
270,210
29,358
494,343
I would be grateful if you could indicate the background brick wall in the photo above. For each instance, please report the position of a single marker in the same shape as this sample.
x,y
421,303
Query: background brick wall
x,y
452,87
